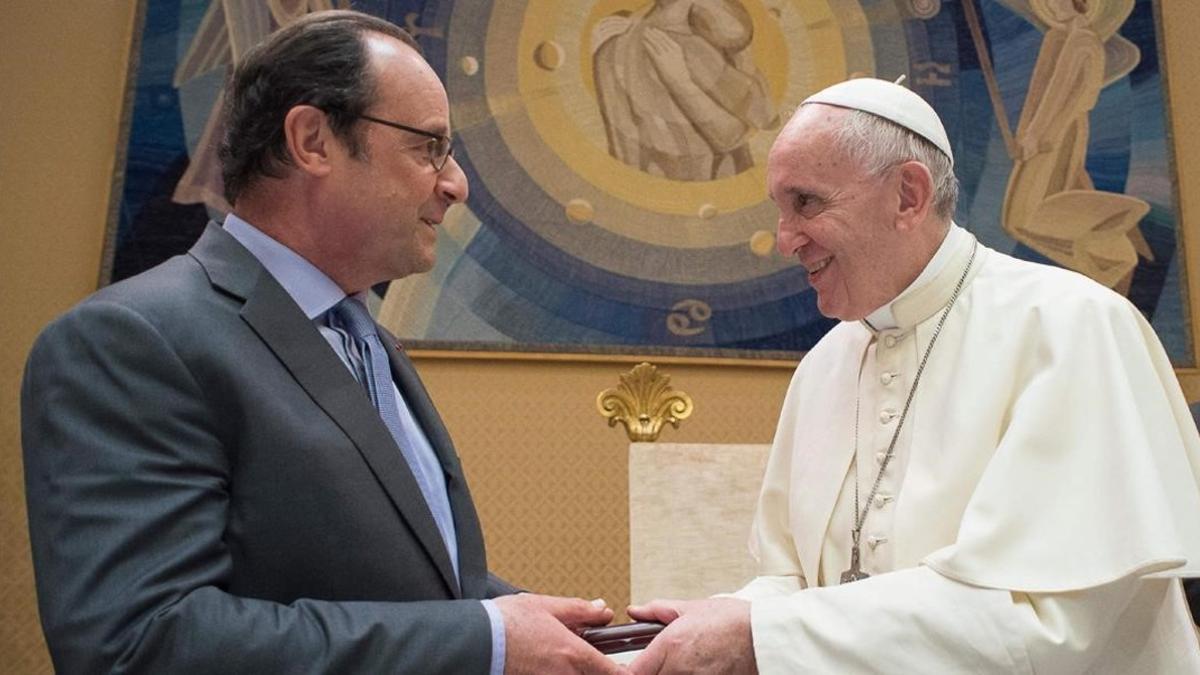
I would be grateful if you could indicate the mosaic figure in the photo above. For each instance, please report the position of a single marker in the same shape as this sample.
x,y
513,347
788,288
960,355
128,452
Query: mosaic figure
x,y
1051,204
678,89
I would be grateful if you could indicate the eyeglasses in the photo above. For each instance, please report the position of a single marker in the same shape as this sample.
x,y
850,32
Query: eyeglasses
x,y
439,145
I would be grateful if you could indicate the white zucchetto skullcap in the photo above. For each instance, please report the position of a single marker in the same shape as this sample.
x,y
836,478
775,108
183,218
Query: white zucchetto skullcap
x,y
893,102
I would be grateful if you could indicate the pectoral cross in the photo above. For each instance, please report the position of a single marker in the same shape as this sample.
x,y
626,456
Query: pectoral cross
x,y
855,572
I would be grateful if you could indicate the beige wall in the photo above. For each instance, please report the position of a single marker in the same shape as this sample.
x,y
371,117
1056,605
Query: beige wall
x,y
62,65
548,475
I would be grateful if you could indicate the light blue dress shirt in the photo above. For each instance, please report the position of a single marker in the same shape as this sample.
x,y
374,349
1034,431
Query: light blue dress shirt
x,y
316,294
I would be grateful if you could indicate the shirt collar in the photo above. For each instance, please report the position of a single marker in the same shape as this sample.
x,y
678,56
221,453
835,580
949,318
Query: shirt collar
x,y
884,318
308,286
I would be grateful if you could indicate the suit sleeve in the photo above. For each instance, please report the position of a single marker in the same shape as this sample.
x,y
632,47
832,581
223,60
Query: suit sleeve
x,y
127,482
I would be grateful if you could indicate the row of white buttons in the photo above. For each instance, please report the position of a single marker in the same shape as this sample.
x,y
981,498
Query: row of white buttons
x,y
885,416
875,539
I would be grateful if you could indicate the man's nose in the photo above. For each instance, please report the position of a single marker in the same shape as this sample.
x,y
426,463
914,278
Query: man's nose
x,y
789,239
452,182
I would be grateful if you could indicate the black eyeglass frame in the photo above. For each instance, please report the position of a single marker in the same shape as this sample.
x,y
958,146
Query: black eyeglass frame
x,y
438,162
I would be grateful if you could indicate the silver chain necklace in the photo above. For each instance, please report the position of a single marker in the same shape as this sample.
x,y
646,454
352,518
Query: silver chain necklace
x,y
855,572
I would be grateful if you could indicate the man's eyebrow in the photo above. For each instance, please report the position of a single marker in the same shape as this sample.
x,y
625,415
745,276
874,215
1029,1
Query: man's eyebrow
x,y
439,128
798,191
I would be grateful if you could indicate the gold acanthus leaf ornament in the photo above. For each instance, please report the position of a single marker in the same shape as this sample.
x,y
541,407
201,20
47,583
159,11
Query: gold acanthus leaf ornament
x,y
643,402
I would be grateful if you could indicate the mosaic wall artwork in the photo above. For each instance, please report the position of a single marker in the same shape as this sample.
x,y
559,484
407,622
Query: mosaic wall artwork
x,y
616,153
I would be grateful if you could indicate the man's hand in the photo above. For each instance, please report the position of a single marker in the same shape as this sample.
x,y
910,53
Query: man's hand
x,y
539,635
703,636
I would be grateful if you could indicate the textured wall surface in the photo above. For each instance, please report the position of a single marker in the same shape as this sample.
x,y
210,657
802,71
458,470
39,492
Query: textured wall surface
x,y
62,66
691,507
549,476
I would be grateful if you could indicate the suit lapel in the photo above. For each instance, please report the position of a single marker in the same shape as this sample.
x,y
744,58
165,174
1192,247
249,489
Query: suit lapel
x,y
278,321
472,562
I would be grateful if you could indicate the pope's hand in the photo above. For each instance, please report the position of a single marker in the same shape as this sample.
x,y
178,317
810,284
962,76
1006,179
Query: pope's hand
x,y
703,636
539,635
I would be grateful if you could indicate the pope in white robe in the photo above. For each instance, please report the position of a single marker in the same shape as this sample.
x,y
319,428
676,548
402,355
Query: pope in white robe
x,y
1009,440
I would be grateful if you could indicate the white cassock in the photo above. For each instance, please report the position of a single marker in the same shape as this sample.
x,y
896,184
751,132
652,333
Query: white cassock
x,y
1042,503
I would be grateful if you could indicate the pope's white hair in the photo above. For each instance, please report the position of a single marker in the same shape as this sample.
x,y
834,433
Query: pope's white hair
x,y
878,144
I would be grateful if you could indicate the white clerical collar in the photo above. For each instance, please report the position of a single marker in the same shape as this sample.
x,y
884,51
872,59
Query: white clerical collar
x,y
884,318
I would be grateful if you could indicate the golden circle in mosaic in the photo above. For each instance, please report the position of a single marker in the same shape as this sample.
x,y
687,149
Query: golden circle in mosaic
x,y
762,243
549,55
580,211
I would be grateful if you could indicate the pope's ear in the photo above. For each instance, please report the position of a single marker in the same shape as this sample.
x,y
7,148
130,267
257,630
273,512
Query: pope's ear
x,y
309,140
916,194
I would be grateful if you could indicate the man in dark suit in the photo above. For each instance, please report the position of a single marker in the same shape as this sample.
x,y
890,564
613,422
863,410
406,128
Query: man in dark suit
x,y
229,466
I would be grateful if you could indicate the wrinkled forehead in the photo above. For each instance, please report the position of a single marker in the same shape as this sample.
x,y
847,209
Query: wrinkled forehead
x,y
809,135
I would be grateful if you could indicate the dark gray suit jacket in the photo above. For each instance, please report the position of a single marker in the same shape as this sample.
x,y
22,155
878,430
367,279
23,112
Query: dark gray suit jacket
x,y
211,491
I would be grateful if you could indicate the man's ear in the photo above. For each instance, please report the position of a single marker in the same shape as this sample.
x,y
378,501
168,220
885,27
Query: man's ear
x,y
309,140
916,194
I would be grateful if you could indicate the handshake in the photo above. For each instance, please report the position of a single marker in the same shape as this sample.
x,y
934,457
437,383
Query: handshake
x,y
546,634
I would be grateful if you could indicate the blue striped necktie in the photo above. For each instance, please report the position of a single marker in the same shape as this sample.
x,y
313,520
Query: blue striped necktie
x,y
354,318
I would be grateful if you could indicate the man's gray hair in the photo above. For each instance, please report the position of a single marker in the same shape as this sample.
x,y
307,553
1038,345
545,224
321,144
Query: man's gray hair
x,y
878,144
